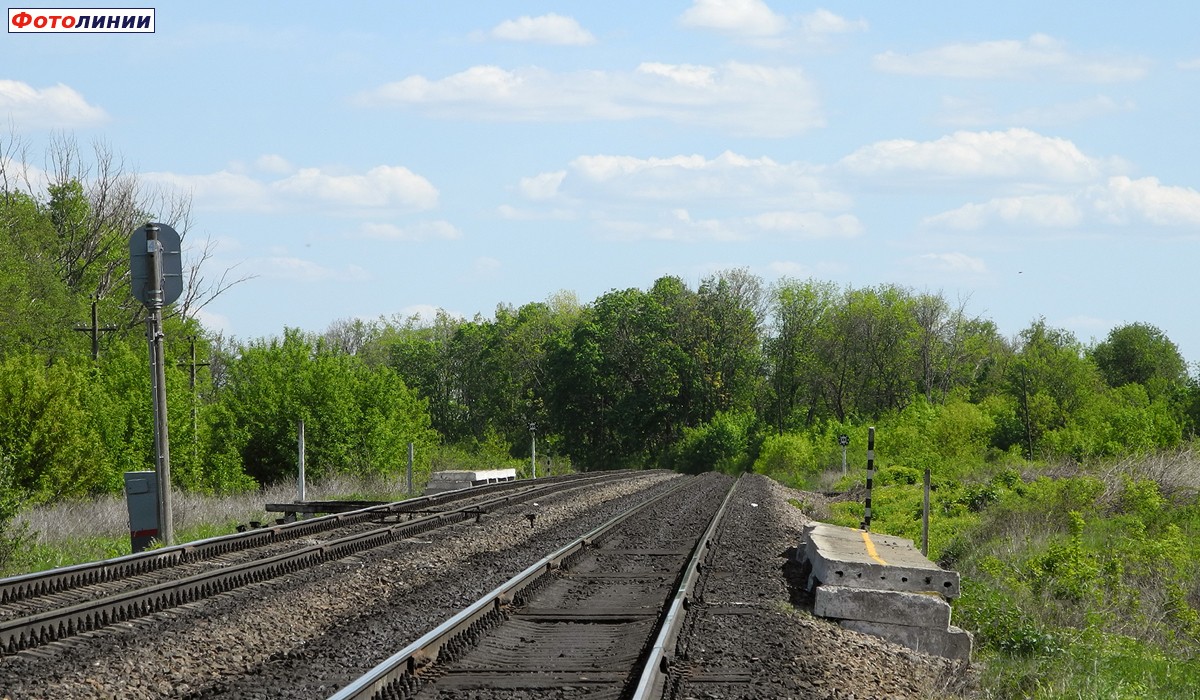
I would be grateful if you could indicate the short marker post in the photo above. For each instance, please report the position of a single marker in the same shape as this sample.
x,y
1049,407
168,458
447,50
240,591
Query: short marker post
x,y
870,477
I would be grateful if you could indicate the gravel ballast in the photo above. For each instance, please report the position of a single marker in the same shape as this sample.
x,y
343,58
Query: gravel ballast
x,y
308,634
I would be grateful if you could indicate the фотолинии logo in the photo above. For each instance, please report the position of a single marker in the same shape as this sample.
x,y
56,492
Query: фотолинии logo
x,y
73,20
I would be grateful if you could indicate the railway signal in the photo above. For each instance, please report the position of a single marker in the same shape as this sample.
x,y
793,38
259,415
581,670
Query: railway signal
x,y
156,267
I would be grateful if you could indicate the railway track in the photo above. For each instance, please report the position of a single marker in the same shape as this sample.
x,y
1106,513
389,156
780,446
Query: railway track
x,y
40,608
597,618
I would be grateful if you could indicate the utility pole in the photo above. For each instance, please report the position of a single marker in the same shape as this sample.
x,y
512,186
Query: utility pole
x,y
532,450
192,365
95,330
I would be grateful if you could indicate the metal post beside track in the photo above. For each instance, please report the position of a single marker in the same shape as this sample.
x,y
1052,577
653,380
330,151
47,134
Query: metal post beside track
x,y
870,477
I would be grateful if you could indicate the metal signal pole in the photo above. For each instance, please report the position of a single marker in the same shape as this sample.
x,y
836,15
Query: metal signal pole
x,y
158,375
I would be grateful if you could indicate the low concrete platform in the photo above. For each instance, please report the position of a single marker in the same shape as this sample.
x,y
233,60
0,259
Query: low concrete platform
x,y
452,480
841,556
883,586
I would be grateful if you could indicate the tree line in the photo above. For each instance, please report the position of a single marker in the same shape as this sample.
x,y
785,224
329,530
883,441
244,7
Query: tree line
x,y
716,376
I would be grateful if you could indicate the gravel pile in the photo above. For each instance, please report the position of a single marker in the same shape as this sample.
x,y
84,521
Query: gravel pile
x,y
308,634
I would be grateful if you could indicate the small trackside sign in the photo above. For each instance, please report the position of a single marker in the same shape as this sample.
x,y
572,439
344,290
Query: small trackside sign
x,y
75,20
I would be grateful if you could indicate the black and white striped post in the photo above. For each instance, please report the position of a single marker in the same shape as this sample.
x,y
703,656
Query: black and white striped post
x,y
870,477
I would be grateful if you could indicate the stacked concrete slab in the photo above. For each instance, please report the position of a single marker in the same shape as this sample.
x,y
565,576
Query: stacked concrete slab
x,y
452,480
883,586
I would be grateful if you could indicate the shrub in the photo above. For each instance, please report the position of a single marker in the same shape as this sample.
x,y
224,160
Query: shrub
x,y
719,444
789,458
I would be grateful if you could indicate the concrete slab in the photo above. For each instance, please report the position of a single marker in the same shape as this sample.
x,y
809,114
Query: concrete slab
x,y
952,643
454,479
842,556
891,607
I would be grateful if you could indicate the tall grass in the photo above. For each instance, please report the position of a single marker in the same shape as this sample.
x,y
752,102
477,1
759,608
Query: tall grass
x,y
1079,581
77,531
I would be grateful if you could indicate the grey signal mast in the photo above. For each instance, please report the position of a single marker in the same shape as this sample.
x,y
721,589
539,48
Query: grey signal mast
x,y
156,264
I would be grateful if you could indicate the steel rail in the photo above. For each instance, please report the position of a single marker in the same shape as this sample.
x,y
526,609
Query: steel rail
x,y
42,628
653,680
43,583
398,671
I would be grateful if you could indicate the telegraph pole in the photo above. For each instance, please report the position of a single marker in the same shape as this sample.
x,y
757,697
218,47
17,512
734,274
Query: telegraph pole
x,y
192,385
532,450
95,330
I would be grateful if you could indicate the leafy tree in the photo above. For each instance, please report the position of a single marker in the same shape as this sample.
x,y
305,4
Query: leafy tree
x,y
1051,381
729,346
867,353
357,419
1140,353
799,309
36,306
618,383
45,432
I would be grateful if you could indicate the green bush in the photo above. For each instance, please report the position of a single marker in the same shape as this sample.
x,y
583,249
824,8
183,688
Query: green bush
x,y
789,458
720,444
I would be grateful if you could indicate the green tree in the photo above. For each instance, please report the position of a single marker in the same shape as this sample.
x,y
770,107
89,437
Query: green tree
x,y
799,310
1141,353
868,354
357,419
1051,381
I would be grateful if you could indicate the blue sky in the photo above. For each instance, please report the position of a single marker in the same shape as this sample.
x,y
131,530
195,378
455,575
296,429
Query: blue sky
x,y
369,159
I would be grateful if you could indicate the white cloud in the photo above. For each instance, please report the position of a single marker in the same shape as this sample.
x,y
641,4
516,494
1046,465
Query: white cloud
x,y
1044,211
382,187
221,190
743,98
685,74
421,231
22,174
971,113
729,197
1039,57
757,183
274,164
750,18
1015,154
1123,200
545,29
1119,201
823,22
57,107
542,186
1193,64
